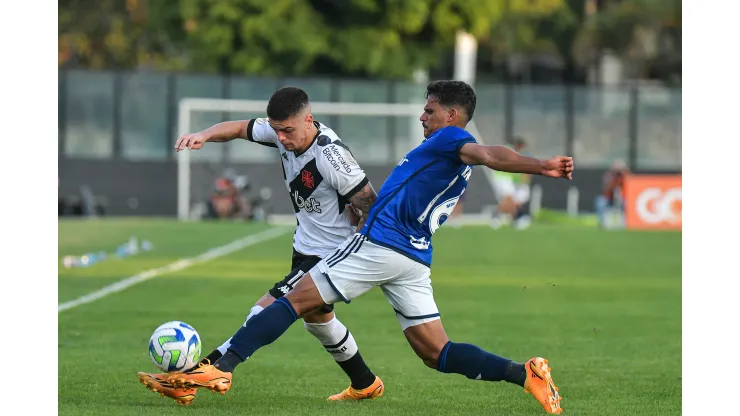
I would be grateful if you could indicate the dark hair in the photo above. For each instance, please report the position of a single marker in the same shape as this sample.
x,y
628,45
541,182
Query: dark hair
x,y
453,93
286,102
519,141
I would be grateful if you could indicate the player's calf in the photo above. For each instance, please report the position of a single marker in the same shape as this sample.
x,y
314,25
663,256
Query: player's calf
x,y
431,344
427,339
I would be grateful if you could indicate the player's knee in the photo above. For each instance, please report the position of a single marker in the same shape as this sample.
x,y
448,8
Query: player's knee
x,y
427,340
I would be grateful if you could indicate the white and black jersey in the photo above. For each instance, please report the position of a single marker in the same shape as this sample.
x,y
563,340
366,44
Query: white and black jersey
x,y
320,182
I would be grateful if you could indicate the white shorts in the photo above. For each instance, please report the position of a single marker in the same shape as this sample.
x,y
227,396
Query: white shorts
x,y
358,265
504,186
521,195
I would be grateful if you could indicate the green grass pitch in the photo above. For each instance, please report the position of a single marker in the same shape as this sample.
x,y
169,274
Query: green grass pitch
x,y
603,307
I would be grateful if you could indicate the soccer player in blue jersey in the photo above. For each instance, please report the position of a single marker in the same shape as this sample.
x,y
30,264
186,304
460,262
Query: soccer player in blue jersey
x,y
394,251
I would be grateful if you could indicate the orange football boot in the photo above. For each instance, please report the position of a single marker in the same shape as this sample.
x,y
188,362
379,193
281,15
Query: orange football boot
x,y
350,393
204,375
158,384
539,383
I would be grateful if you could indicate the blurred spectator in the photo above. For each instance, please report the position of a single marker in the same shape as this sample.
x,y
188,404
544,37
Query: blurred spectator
x,y
227,201
610,200
512,192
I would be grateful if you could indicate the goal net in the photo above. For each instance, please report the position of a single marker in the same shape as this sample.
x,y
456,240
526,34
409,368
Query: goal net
x,y
379,134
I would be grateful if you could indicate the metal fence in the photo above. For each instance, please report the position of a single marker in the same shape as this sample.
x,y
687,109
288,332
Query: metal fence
x,y
133,116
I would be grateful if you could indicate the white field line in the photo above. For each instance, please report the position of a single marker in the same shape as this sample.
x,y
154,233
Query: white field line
x,y
211,254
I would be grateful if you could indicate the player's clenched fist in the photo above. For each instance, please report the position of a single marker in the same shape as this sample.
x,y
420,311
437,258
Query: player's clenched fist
x,y
559,167
193,141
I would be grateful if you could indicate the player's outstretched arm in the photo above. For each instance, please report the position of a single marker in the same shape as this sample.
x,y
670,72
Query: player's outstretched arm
x,y
221,132
362,201
506,160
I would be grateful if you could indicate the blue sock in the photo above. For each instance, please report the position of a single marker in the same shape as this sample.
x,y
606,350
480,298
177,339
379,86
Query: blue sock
x,y
262,329
476,364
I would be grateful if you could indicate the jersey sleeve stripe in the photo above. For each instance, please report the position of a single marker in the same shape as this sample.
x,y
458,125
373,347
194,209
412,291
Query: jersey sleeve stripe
x,y
250,128
356,189
250,137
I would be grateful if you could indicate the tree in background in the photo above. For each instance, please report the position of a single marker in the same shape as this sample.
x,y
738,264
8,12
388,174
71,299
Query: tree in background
x,y
354,38
386,39
644,34
117,34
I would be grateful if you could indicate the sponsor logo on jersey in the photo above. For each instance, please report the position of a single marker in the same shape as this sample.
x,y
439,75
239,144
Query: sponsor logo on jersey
x,y
306,182
309,204
420,243
336,159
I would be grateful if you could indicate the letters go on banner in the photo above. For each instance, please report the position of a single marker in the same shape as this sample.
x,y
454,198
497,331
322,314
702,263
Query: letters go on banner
x,y
653,201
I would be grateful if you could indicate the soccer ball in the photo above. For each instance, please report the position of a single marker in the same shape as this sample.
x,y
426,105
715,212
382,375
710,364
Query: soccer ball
x,y
175,346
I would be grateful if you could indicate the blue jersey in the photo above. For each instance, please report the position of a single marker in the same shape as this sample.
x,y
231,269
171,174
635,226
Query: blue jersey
x,y
419,195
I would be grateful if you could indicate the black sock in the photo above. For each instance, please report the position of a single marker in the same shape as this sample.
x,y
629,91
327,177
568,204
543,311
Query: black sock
x,y
212,357
515,373
228,361
359,373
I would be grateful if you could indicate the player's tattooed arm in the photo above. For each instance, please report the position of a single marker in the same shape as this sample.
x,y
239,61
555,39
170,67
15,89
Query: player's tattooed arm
x,y
362,201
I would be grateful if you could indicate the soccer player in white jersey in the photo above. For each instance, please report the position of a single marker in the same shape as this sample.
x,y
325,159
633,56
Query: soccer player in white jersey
x,y
326,185
394,251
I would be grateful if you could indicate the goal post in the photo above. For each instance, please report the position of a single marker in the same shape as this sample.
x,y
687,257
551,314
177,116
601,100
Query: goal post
x,y
189,106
